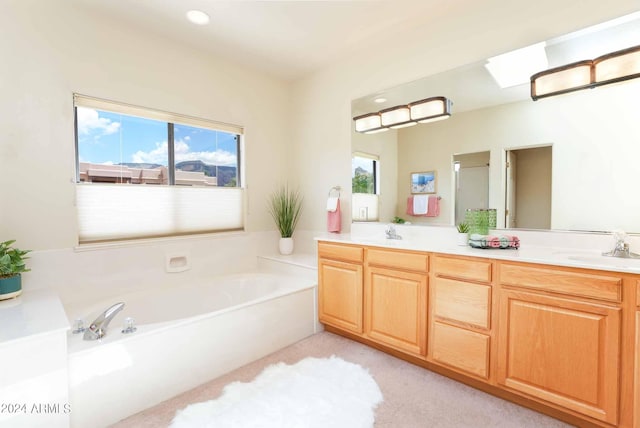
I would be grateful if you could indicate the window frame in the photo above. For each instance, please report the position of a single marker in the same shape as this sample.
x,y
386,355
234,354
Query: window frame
x,y
170,119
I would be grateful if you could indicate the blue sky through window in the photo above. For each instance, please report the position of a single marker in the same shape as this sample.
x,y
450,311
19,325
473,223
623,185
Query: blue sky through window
x,y
113,138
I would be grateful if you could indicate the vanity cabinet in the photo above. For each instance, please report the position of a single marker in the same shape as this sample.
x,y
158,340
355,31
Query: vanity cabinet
x,y
561,340
460,314
340,288
636,381
555,344
396,299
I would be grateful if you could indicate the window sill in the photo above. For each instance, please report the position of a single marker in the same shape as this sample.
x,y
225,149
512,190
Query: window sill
x,y
155,241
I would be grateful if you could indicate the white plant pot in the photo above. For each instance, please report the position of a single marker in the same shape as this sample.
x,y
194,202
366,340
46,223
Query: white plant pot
x,y
286,246
463,239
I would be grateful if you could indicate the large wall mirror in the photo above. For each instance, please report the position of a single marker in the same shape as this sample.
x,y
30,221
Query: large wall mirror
x,y
574,158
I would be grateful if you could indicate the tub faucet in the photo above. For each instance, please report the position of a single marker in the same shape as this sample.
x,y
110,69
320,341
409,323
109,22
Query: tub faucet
x,y
98,327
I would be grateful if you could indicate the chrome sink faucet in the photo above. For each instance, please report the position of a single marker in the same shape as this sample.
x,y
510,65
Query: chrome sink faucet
x,y
98,327
390,231
621,248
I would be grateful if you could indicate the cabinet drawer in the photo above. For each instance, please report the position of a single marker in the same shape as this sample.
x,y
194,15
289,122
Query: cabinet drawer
x,y
565,282
462,349
476,270
342,252
462,301
398,259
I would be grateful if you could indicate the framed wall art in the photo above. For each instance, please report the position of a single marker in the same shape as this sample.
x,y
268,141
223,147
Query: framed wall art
x,y
423,182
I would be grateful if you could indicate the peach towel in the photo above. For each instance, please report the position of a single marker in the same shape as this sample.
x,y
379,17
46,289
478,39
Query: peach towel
x,y
433,209
334,222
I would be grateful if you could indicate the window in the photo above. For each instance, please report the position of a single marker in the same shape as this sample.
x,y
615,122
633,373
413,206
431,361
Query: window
x,y
146,173
364,187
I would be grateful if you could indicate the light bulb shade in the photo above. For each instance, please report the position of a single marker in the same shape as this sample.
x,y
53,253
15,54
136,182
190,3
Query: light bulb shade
x,y
617,66
369,123
610,68
430,109
560,80
396,117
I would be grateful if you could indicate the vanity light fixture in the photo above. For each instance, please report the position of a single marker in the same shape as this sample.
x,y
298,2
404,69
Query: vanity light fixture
x,y
402,116
617,66
369,123
561,80
397,117
430,109
610,68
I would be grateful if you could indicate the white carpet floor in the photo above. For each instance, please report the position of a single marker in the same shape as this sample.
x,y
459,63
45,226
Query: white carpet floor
x,y
413,397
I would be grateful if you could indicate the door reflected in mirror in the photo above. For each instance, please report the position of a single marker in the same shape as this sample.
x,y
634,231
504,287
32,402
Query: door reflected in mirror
x,y
528,188
471,171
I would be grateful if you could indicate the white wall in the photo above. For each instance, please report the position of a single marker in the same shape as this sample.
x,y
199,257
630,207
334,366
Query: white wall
x,y
322,116
51,49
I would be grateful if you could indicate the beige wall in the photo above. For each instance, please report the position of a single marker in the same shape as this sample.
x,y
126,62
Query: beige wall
x,y
533,188
323,129
300,132
51,49
595,148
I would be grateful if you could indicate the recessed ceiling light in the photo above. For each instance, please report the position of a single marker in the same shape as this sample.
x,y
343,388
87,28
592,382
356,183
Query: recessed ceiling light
x,y
380,100
198,17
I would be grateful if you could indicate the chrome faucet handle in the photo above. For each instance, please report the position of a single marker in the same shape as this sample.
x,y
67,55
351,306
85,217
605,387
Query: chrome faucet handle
x,y
620,237
78,326
621,248
390,231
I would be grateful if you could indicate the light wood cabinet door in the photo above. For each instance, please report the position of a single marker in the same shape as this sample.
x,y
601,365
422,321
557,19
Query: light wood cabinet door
x,y
396,309
463,349
340,294
561,350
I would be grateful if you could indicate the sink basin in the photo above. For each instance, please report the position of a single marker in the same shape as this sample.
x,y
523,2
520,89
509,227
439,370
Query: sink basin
x,y
591,259
600,260
380,241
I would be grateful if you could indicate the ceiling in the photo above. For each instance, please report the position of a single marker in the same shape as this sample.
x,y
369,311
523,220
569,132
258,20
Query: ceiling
x,y
287,39
290,39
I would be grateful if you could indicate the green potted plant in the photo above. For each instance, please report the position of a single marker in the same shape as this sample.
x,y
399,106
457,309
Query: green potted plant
x,y
285,206
463,233
12,265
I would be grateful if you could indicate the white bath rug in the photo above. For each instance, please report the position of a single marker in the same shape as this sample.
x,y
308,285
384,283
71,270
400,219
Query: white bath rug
x,y
313,393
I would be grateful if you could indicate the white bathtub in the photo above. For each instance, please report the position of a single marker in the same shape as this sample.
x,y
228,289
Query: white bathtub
x,y
186,335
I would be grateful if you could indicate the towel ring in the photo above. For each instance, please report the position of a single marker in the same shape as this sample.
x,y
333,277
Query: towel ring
x,y
335,188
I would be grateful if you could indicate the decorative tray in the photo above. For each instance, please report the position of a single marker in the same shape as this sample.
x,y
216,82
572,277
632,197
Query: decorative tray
x,y
499,242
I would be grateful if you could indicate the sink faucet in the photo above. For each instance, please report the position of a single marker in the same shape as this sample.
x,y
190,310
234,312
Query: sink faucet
x,y
98,327
621,248
390,231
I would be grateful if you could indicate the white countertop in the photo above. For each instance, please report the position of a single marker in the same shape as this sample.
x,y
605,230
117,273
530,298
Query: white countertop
x,y
551,255
30,314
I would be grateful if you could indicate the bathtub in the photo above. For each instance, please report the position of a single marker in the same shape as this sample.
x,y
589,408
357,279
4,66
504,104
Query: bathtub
x,y
186,335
